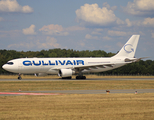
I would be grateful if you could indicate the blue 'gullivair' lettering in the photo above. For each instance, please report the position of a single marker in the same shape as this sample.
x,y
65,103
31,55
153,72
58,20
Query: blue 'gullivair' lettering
x,y
74,62
56,62
37,64
51,63
69,62
43,63
62,63
80,62
27,63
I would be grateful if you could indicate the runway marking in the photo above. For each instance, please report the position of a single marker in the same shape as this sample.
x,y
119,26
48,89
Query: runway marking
x,y
15,93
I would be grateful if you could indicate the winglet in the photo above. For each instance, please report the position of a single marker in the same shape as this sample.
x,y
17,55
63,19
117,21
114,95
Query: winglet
x,y
129,49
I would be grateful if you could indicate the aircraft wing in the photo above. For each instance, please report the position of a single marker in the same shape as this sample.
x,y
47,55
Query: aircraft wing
x,y
93,66
82,67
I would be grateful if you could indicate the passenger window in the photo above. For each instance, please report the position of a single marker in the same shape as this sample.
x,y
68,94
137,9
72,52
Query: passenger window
x,y
10,63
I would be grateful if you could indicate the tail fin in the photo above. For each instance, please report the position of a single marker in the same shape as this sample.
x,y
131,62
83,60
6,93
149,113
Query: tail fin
x,y
129,49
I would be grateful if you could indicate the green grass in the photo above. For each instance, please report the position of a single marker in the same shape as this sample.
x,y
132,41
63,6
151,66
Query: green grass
x,y
75,85
78,107
56,76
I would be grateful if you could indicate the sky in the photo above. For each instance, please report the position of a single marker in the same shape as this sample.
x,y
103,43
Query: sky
x,y
35,25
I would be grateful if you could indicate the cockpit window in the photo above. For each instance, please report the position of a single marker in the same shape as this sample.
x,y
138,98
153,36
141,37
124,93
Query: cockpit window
x,y
10,63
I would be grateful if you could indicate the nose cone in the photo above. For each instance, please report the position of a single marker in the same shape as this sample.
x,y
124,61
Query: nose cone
x,y
10,68
4,67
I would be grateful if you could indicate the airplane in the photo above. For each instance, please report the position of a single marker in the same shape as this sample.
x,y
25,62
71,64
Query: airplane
x,y
66,67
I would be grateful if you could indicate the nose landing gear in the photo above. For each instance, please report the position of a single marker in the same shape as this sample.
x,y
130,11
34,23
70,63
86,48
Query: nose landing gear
x,y
19,77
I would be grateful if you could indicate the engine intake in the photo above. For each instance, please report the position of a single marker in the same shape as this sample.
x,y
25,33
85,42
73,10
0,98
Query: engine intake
x,y
65,72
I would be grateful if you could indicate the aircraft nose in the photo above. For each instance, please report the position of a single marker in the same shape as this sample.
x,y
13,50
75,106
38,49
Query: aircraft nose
x,y
4,67
7,67
10,68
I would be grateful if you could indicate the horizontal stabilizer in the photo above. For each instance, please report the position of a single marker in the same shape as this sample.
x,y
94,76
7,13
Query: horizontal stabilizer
x,y
134,59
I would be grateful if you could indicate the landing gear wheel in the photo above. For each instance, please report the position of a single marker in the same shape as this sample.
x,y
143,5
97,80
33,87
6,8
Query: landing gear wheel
x,y
80,77
67,77
19,78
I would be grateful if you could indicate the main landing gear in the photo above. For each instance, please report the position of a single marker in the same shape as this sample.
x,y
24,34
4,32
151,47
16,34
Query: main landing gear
x,y
19,77
80,77
67,77
77,77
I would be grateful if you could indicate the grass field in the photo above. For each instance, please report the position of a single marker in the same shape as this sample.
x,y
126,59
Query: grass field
x,y
78,107
75,85
56,76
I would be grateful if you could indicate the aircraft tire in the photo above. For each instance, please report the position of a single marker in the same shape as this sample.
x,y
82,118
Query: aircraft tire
x,y
80,77
67,77
84,77
19,78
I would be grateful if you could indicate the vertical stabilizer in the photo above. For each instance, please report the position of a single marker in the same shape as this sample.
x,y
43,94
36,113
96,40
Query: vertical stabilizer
x,y
129,49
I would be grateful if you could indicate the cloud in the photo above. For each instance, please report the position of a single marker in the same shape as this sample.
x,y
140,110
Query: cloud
x,y
146,22
13,6
75,28
82,44
53,30
1,19
116,33
29,31
10,34
109,48
108,6
107,38
49,43
149,22
93,15
21,45
140,8
88,36
97,31
152,35
119,44
128,23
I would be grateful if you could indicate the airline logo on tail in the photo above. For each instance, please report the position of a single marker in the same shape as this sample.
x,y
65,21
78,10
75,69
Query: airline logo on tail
x,y
128,48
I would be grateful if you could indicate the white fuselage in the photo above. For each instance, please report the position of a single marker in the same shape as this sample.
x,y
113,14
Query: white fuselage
x,y
52,65
66,67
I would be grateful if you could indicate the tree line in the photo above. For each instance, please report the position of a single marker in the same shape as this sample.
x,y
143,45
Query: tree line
x,y
138,68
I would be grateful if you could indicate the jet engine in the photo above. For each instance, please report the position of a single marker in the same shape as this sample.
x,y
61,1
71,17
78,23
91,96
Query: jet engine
x,y
40,74
65,72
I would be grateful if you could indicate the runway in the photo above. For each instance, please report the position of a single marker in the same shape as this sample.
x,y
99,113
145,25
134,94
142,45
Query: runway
x,y
59,79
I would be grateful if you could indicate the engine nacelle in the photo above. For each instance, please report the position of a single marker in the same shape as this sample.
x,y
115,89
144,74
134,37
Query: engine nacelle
x,y
40,74
65,72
